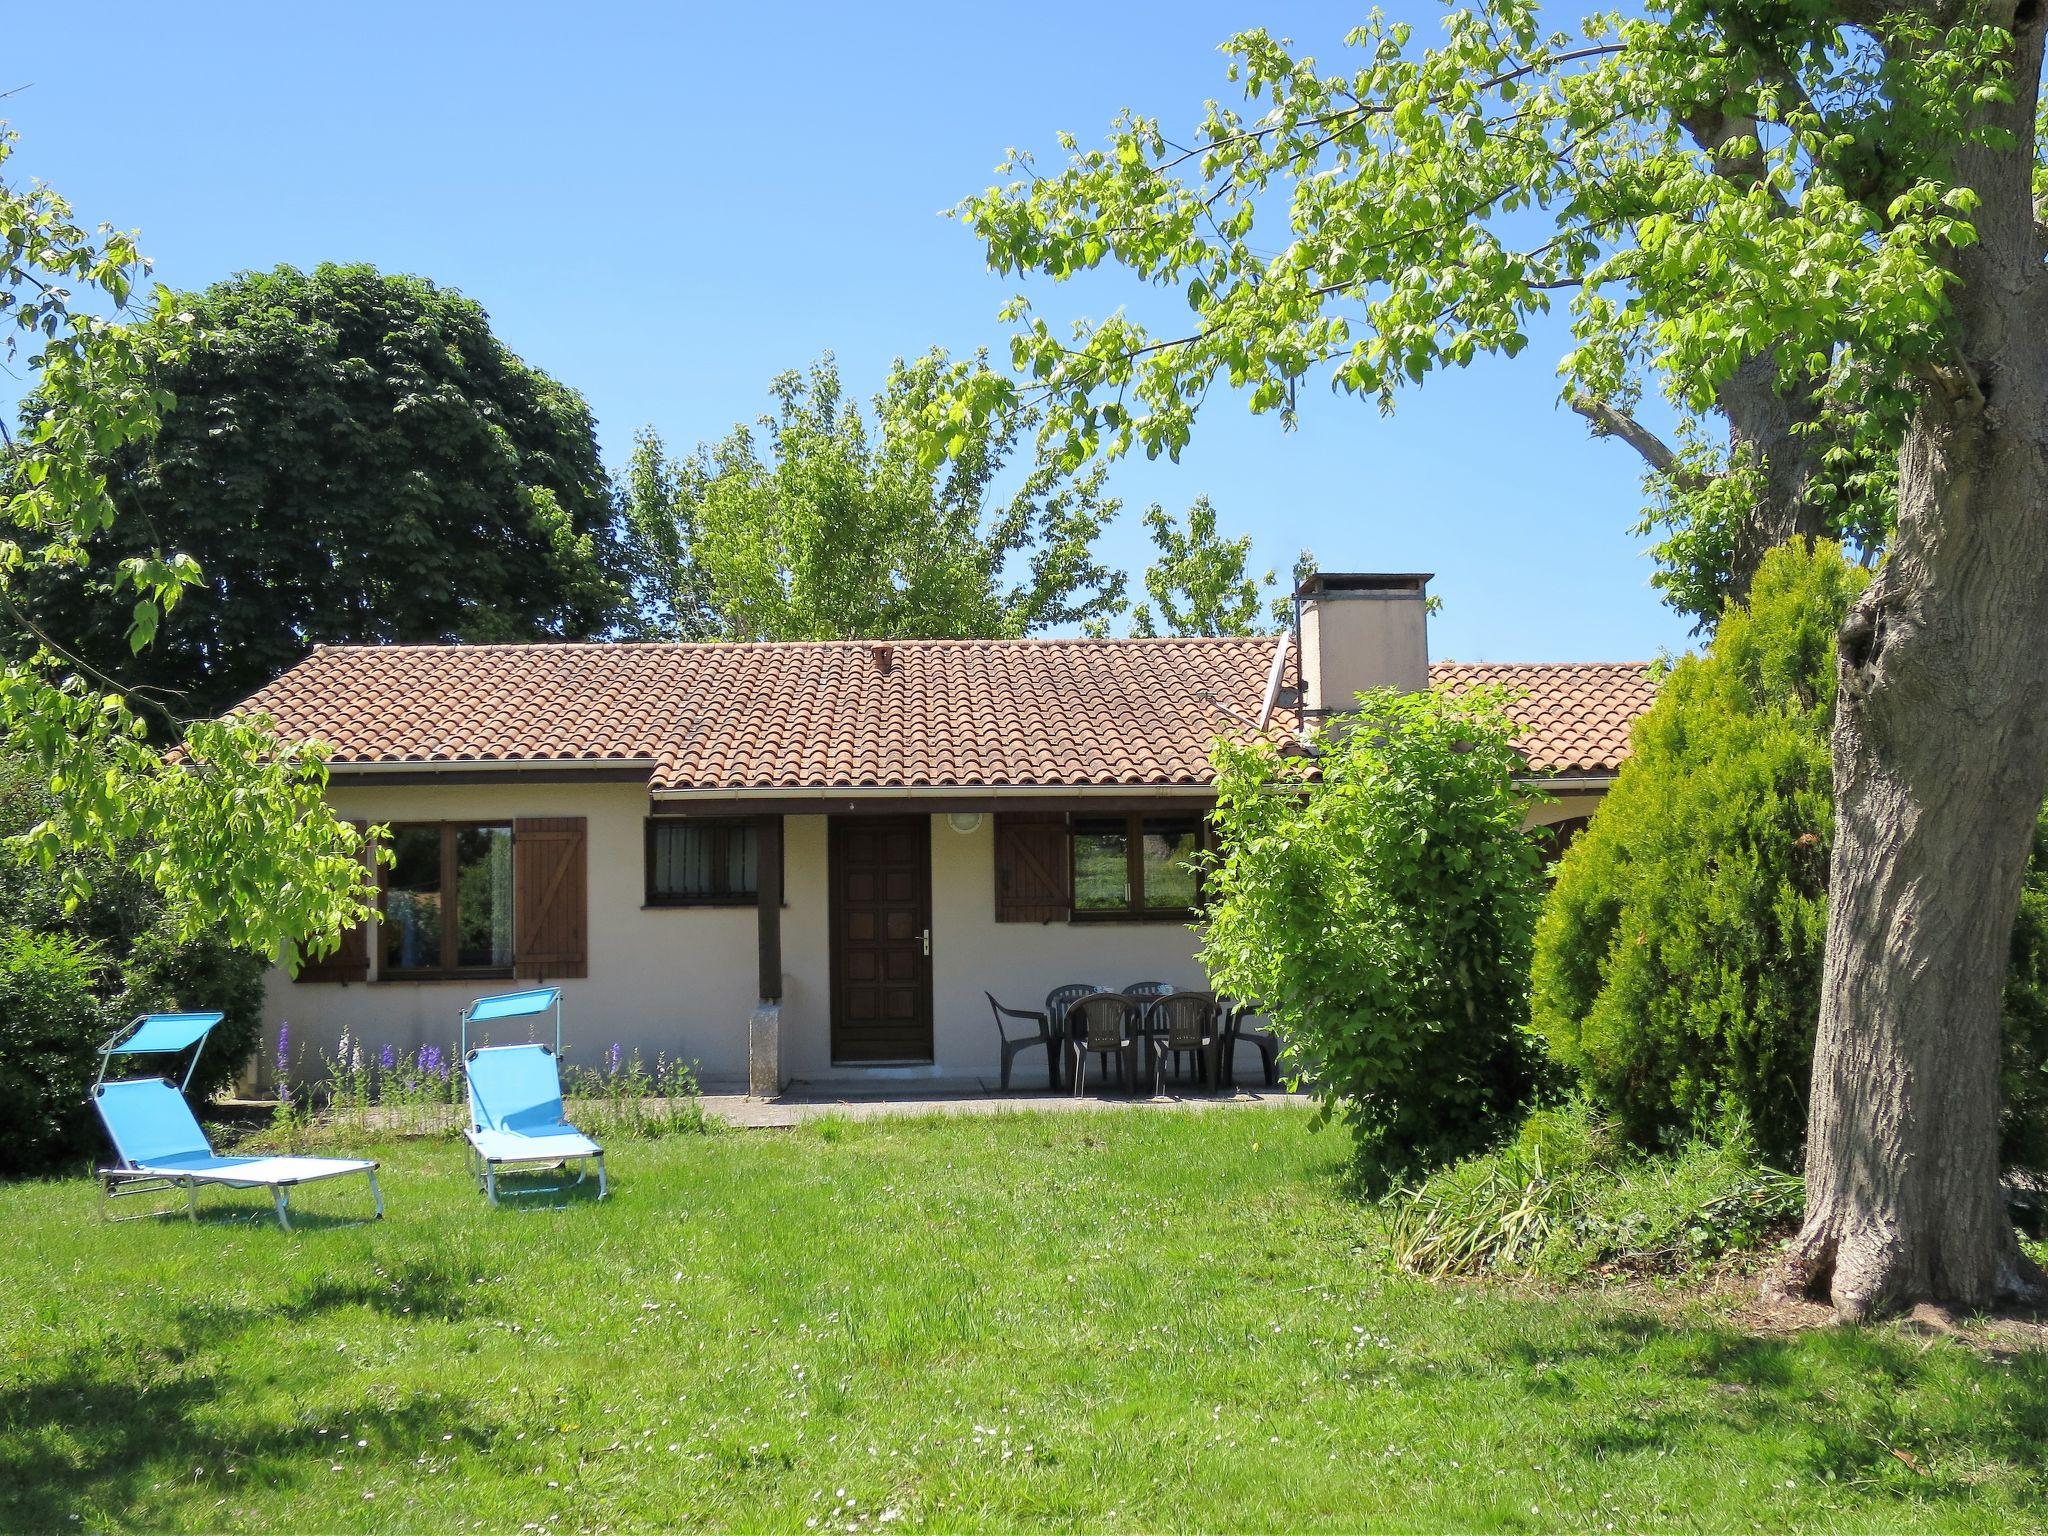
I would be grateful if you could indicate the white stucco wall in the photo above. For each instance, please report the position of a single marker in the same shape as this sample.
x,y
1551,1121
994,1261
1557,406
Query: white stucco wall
x,y
972,953
1563,807
669,979
682,980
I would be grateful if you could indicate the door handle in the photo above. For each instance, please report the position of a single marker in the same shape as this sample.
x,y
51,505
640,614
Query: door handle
x,y
927,943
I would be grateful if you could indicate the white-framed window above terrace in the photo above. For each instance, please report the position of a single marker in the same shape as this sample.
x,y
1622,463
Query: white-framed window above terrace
x,y
473,901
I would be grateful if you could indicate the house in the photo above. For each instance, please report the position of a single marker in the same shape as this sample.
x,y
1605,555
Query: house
x,y
810,860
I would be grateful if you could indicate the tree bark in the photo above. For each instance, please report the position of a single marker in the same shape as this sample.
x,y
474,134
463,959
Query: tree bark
x,y
1940,766
1769,425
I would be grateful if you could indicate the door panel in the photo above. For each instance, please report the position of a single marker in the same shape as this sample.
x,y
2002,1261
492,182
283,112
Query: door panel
x,y
881,911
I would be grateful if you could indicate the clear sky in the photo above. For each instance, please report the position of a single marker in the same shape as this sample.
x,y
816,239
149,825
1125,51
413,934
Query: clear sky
x,y
666,205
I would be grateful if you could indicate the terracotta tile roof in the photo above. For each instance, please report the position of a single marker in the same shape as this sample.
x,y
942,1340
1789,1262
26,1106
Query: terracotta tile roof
x,y
1576,715
859,714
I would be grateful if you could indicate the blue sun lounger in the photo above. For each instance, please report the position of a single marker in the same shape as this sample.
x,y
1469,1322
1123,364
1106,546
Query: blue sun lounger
x,y
515,1098
158,1144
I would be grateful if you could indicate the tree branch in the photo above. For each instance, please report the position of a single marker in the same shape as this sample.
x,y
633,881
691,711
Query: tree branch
x,y
1609,421
1359,111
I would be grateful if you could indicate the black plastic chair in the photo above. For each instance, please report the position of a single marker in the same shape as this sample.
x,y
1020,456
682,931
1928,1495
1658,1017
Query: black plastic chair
x,y
1264,1042
1150,989
1056,1002
1014,1046
1101,1026
1185,1024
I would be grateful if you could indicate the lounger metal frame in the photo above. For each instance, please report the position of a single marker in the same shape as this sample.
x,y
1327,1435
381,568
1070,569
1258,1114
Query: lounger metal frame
x,y
484,1170
116,1183
527,1004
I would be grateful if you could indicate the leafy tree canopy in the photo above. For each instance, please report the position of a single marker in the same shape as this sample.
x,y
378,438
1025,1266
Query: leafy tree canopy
x,y
818,524
71,972
236,837
1201,580
348,456
1744,207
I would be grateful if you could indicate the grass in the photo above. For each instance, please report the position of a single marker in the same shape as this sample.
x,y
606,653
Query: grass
x,y
1142,1321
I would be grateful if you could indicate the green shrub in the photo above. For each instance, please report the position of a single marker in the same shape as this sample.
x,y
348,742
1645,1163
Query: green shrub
x,y
1678,960
2023,1079
1380,913
1677,967
53,1018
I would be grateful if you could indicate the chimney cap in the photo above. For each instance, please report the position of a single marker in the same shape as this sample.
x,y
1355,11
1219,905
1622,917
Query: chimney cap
x,y
1362,583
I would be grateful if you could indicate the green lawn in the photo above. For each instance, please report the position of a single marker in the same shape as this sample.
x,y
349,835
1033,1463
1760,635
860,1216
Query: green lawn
x,y
1131,1321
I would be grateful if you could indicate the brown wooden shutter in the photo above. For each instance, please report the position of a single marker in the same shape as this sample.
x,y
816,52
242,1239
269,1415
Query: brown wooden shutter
x,y
351,959
1032,870
550,911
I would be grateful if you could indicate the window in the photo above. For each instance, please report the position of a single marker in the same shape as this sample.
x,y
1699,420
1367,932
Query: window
x,y
447,900
702,863
1137,866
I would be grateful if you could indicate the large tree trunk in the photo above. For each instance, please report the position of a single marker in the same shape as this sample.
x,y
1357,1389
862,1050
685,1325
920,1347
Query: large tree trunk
x,y
1941,763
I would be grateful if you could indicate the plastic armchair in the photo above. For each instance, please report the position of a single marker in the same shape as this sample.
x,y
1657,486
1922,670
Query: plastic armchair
x,y
1185,1024
1015,1046
1061,997
1264,1042
1101,1024
1056,1003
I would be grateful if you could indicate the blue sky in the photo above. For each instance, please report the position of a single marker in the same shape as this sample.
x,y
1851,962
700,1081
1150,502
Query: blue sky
x,y
664,206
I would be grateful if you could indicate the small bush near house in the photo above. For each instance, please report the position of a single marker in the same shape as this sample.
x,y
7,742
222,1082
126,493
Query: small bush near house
x,y
115,949
1678,960
1567,1197
53,1016
1381,913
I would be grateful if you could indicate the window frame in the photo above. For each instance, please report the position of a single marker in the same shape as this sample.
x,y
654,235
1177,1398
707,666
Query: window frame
x,y
451,923
1135,911
652,900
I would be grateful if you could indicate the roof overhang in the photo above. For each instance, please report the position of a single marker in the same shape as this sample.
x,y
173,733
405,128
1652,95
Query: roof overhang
x,y
527,770
1568,783
871,799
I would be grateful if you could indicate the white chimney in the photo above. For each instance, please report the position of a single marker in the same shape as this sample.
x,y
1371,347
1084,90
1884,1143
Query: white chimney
x,y
1359,631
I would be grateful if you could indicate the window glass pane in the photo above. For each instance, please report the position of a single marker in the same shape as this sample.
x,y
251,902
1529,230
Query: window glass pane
x,y
1170,853
704,860
411,928
1102,871
483,896
681,864
742,861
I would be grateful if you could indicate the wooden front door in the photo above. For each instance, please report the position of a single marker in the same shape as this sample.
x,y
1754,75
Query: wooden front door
x,y
881,928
